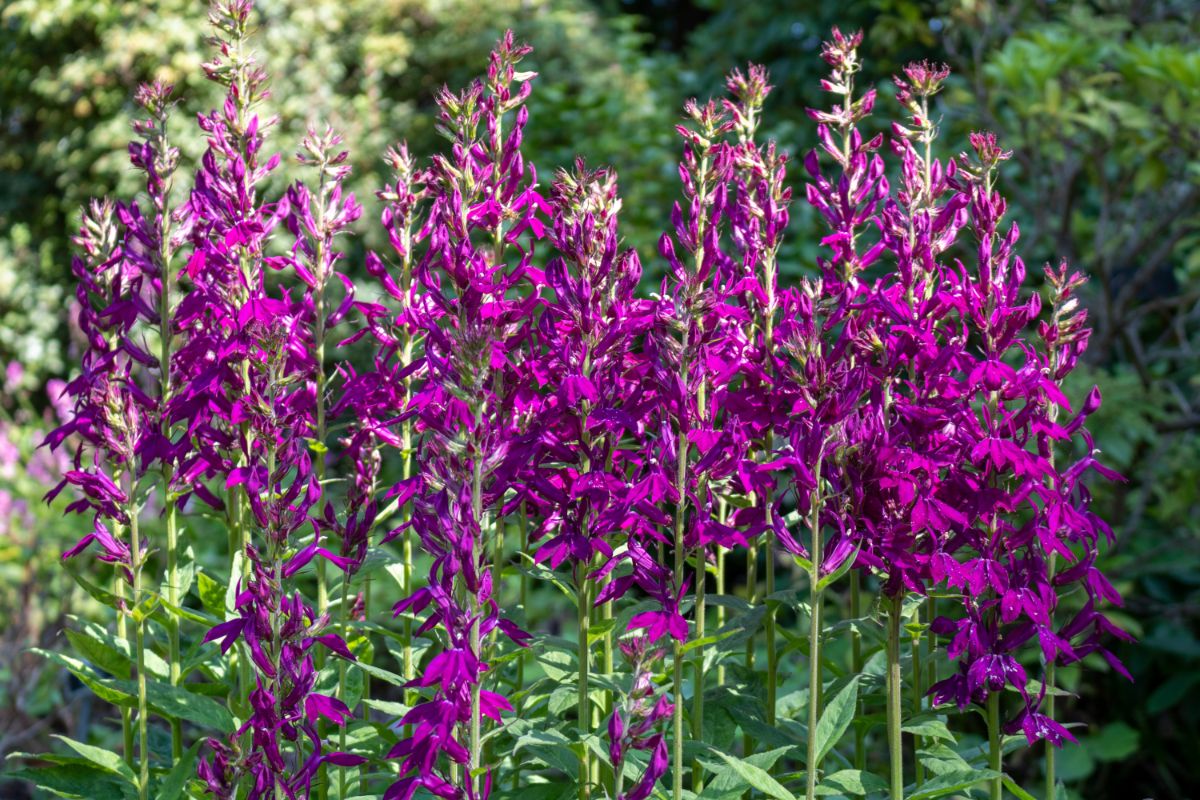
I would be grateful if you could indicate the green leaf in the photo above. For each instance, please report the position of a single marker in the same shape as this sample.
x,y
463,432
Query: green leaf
x,y
951,782
119,658
388,707
199,617
558,664
177,702
599,629
1173,689
383,674
852,781
929,728
104,759
229,602
107,689
75,782
212,594
1017,791
754,777
145,609
173,782
186,573
727,781
98,653
1114,742
102,595
836,719
550,747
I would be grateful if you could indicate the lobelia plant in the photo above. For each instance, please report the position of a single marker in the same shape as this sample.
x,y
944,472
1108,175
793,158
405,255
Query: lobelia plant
x,y
578,475
472,452
108,424
895,424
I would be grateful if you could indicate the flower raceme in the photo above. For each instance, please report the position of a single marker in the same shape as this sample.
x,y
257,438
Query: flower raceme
x,y
899,417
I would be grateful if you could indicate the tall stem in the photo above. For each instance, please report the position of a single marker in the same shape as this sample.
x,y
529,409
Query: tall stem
x,y
700,612
856,664
173,649
139,621
123,633
751,642
931,642
698,687
720,581
583,601
814,636
1051,664
772,658
476,687
523,527
344,618
993,716
918,682
894,689
681,464
277,645
1051,777
164,366
677,666
769,503
677,726
606,614
406,443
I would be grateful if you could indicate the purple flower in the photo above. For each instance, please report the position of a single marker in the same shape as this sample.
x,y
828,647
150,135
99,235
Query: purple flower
x,y
636,721
470,304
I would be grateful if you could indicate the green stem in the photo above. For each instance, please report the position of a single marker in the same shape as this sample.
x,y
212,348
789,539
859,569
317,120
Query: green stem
x,y
931,643
812,767
277,644
772,658
677,665
139,621
237,545
918,684
720,578
751,643
583,606
677,725
606,614
856,665
173,649
476,722
164,367
681,463
993,715
320,431
894,689
123,633
344,619
1051,778
698,687
523,527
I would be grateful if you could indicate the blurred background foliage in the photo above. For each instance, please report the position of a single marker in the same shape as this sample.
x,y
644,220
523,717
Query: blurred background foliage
x,y
1100,102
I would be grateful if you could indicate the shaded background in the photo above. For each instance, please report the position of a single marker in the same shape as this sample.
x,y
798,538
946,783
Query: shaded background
x,y
1099,101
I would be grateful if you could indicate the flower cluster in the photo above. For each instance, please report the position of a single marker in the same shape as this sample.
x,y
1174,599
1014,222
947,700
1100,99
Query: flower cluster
x,y
899,415
946,476
474,315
